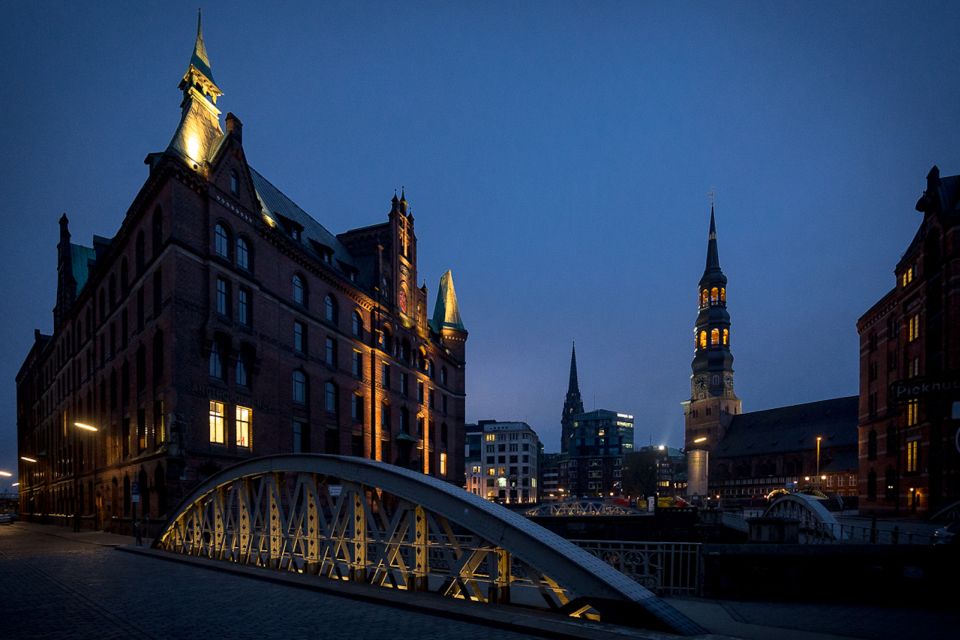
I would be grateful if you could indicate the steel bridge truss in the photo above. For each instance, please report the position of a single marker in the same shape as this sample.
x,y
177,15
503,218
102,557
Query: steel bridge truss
x,y
356,520
581,508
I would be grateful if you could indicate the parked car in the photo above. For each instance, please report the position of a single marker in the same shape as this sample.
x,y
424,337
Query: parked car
x,y
949,534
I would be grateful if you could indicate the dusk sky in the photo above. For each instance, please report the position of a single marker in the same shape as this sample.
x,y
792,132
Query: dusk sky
x,y
557,156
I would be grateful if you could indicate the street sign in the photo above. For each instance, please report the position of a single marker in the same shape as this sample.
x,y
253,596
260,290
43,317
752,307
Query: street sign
x,y
335,490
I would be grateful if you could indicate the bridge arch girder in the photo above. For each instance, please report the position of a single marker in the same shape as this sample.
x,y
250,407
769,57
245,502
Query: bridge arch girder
x,y
358,519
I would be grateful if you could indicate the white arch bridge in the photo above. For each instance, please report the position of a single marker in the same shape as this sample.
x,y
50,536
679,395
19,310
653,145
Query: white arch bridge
x,y
353,519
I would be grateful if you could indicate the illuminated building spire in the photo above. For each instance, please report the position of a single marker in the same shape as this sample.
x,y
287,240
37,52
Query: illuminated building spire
x,y
446,312
199,130
713,361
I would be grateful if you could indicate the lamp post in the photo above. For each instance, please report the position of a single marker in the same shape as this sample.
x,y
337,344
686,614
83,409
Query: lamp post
x,y
76,472
819,438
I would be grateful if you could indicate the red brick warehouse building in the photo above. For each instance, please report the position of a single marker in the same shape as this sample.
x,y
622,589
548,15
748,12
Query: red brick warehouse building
x,y
223,322
909,426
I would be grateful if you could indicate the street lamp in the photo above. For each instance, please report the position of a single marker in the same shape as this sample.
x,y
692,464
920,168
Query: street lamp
x,y
819,438
5,474
76,473
28,459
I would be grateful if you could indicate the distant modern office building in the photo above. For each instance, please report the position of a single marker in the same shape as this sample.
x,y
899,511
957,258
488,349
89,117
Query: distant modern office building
x,y
509,469
909,431
598,443
473,459
550,485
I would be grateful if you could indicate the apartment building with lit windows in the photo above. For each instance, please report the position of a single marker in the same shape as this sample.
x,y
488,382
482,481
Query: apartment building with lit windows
x,y
598,443
507,467
223,322
909,422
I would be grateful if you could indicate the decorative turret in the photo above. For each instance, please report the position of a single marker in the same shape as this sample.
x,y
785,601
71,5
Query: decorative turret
x,y
199,130
446,318
572,404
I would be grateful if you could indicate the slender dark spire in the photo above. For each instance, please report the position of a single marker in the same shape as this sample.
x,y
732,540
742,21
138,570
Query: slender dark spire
x,y
574,385
713,255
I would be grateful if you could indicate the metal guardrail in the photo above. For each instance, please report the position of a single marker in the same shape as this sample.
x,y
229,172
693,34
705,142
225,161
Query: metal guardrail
x,y
666,568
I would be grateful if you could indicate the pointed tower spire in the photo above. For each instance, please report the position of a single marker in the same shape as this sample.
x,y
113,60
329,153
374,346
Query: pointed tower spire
x,y
199,132
572,404
446,312
574,385
713,255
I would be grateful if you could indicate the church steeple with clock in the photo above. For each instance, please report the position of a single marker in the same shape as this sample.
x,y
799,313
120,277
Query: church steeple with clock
x,y
712,402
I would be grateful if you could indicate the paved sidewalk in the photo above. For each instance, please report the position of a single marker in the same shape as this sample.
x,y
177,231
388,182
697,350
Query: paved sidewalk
x,y
102,538
817,621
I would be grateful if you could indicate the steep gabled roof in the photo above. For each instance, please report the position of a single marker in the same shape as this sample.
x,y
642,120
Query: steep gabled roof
x,y
793,428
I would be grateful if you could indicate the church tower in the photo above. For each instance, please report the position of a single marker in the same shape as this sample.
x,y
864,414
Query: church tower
x,y
712,402
572,405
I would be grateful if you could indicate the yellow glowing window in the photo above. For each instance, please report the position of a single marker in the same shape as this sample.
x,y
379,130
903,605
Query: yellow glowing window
x,y
726,336
492,471
913,327
912,411
723,294
715,336
443,463
912,451
216,422
714,294
703,298
907,276
490,437
244,420
703,339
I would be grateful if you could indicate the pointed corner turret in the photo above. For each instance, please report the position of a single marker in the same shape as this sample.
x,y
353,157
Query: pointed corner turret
x,y
199,133
446,312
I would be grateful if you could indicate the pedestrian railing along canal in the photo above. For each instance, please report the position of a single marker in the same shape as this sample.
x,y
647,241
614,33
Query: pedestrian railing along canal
x,y
666,568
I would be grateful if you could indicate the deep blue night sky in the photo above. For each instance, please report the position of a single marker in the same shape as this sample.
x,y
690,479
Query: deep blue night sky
x,y
557,157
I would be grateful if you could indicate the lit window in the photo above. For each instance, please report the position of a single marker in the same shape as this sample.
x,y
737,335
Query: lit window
x,y
715,336
726,336
221,241
912,410
714,295
490,437
907,276
299,294
443,463
703,339
216,422
299,387
912,451
723,294
913,327
244,420
243,254
704,298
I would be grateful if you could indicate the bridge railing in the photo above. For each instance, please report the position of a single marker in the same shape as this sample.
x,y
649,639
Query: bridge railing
x,y
666,568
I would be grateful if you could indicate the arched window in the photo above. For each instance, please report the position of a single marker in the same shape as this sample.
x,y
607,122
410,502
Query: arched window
x,y
330,309
703,339
221,241
714,294
715,337
723,294
241,372
157,232
356,324
704,297
216,362
726,336
330,397
872,445
243,254
299,291
299,387
872,485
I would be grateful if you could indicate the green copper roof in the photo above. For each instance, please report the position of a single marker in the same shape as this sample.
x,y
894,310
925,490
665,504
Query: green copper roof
x,y
446,312
80,259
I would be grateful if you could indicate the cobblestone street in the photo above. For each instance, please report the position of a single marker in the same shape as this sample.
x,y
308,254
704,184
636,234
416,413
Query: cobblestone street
x,y
53,587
